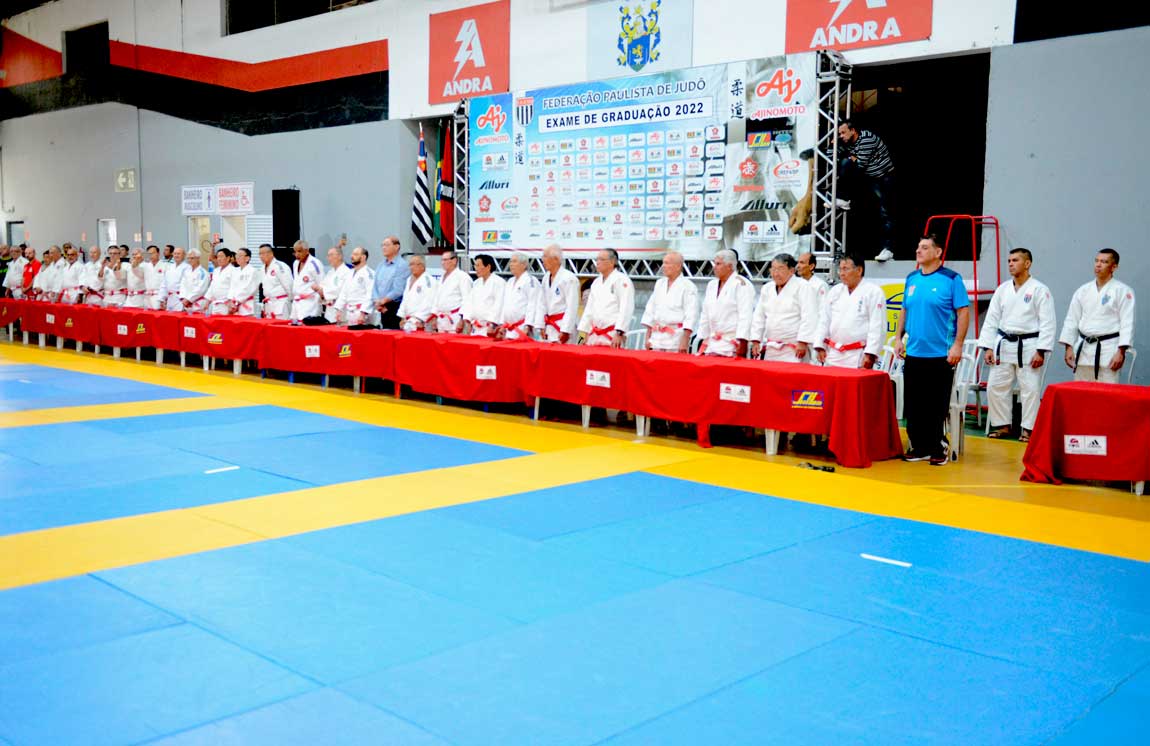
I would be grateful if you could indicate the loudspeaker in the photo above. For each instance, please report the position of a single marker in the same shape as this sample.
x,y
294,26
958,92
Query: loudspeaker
x,y
285,216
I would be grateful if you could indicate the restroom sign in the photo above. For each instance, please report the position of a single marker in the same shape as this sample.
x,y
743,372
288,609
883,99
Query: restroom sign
x,y
236,199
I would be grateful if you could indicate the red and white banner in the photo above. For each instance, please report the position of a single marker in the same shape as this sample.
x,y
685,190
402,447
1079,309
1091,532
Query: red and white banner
x,y
469,52
852,24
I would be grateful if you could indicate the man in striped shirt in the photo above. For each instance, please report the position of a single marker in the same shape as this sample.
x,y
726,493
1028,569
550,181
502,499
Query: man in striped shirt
x,y
865,160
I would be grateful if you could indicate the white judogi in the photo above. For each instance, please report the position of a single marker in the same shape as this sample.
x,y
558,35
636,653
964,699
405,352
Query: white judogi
x,y
785,317
852,324
1014,313
520,302
304,299
93,285
726,315
610,306
671,313
332,283
1095,313
173,278
450,296
245,289
14,280
483,306
820,288
40,282
136,285
557,311
220,290
418,304
115,280
193,287
72,286
155,287
276,284
354,301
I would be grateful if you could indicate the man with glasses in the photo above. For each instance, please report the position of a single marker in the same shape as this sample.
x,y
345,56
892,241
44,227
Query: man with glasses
x,y
245,285
852,321
483,307
610,304
786,318
354,304
73,286
728,305
454,287
390,278
154,285
418,296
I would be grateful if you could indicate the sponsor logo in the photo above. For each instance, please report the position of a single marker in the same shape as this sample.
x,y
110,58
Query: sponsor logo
x,y
599,378
748,168
784,82
511,204
215,338
345,350
787,169
311,350
735,392
1084,445
855,23
50,318
141,329
492,184
484,203
490,236
485,372
524,111
68,324
806,399
189,332
122,329
493,118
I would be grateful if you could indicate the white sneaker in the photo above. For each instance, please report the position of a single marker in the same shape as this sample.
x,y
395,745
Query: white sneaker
x,y
843,204
884,256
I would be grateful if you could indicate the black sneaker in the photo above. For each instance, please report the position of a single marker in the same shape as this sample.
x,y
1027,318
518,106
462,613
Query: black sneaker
x,y
939,460
913,455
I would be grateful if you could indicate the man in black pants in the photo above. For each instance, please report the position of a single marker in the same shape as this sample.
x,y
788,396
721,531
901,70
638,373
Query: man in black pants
x,y
864,161
935,314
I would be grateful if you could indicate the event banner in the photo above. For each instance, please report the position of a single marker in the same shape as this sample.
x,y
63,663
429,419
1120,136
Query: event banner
x,y
693,160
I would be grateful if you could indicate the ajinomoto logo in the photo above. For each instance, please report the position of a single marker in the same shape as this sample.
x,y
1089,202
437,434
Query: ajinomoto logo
x,y
806,399
216,338
345,350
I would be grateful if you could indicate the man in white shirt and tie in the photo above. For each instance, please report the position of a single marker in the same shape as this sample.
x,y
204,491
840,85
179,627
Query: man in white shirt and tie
x,y
483,308
1099,326
610,304
557,312
672,308
852,320
454,287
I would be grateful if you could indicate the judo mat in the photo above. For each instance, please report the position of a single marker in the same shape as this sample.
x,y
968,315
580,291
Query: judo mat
x,y
281,565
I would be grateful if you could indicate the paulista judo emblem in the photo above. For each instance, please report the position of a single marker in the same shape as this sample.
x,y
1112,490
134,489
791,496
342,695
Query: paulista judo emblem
x,y
639,35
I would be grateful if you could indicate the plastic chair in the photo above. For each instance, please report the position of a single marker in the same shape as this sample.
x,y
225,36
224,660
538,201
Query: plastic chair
x,y
892,365
956,418
636,339
1128,368
966,378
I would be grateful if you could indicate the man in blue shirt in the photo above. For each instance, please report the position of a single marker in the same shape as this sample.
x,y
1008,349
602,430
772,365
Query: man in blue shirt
x,y
390,279
935,314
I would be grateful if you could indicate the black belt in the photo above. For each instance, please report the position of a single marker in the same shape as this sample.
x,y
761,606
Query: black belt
x,y
1097,342
1019,338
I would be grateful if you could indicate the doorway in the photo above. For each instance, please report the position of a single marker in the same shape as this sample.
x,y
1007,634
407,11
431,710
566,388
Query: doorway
x,y
106,232
200,233
15,233
233,231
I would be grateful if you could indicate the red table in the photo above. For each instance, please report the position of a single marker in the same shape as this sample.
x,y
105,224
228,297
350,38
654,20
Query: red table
x,y
467,368
126,327
330,350
75,322
854,408
1090,431
11,310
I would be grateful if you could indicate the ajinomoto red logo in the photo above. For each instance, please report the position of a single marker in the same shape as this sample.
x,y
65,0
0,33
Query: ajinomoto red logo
x,y
851,24
469,52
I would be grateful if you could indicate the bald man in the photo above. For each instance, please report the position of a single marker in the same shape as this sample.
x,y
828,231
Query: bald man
x,y
418,305
337,274
557,312
520,299
610,304
672,309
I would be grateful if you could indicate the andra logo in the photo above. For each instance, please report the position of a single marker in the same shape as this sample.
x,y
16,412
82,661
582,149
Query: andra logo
x,y
216,338
784,82
852,33
806,399
470,50
849,24
639,36
345,350
493,118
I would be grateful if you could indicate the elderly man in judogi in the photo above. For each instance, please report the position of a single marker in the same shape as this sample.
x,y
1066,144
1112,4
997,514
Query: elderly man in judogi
x,y
306,274
154,281
173,278
805,268
114,278
1017,335
337,274
245,285
728,306
220,289
483,306
275,285
852,321
354,304
450,294
610,304
90,278
557,312
672,309
194,285
136,280
418,304
73,287
786,319
1099,326
520,301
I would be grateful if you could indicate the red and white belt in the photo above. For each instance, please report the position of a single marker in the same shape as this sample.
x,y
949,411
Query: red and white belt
x,y
778,344
448,314
844,348
552,320
94,293
602,331
305,296
514,325
135,293
669,329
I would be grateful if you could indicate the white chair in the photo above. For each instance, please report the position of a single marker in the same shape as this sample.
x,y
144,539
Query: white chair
x,y
968,378
636,339
956,418
1128,368
892,365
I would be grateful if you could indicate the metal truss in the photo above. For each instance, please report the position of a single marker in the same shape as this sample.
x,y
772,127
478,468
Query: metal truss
x,y
461,164
828,223
638,269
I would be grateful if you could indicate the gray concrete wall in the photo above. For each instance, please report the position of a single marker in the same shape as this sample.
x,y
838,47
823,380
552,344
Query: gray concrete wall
x,y
59,169
1068,164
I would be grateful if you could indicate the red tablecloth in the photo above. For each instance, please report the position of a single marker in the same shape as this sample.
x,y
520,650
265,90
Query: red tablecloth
x,y
11,310
126,327
1096,431
63,320
854,408
334,350
468,368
